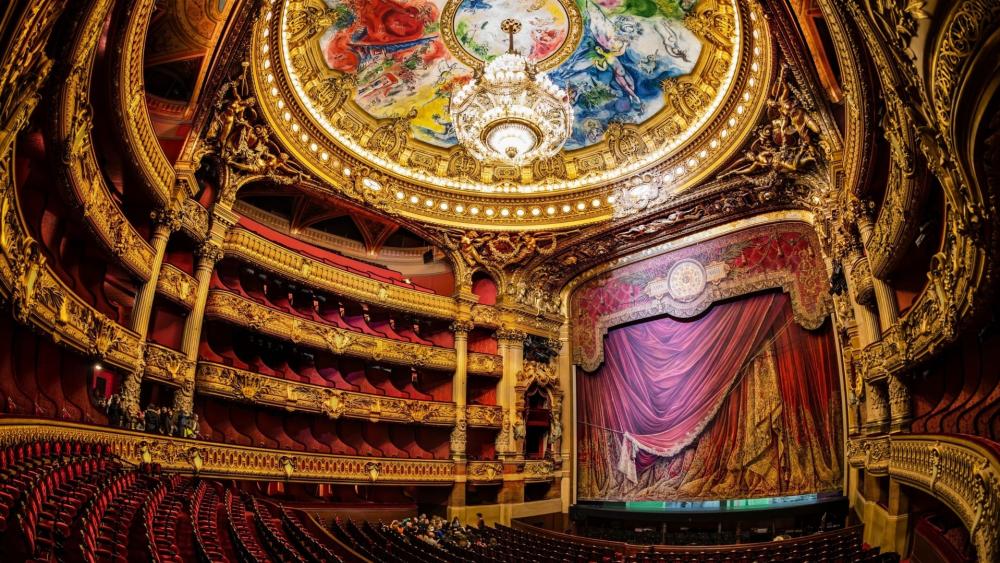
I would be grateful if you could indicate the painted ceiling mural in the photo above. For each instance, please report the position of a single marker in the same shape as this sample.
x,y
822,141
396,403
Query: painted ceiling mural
x,y
614,64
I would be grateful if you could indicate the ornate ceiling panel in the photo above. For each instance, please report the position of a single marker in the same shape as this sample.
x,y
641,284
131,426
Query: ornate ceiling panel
x,y
358,91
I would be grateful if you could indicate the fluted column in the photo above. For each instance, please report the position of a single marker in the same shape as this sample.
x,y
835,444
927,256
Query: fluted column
x,y
167,222
899,403
459,387
209,252
511,345
564,367
885,297
862,298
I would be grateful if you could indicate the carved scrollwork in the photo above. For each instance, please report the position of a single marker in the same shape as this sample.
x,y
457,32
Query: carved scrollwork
x,y
227,461
236,384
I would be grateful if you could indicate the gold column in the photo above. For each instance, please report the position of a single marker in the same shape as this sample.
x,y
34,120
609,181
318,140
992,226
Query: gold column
x,y
511,344
564,367
167,222
459,388
885,298
209,253
862,291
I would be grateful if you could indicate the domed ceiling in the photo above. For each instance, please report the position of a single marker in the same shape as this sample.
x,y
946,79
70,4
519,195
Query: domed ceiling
x,y
359,90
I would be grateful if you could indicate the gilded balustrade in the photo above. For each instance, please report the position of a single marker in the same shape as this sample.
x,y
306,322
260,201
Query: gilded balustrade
x,y
129,102
82,168
293,396
37,296
257,250
961,471
229,461
244,312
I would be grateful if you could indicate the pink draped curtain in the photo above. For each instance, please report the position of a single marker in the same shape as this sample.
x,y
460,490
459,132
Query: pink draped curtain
x,y
664,380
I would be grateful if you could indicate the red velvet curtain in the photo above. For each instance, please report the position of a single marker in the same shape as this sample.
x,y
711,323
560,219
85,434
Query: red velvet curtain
x,y
663,380
668,384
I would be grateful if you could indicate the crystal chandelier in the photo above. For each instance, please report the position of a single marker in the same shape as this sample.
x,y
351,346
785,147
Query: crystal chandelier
x,y
511,113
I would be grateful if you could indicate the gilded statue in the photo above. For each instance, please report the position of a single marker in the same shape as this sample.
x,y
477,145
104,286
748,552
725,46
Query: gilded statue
x,y
786,143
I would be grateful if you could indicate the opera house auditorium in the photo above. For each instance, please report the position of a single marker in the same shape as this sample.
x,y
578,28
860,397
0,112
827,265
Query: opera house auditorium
x,y
539,281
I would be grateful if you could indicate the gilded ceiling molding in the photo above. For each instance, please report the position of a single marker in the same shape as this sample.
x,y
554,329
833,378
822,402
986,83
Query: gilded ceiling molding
x,y
244,312
708,116
292,396
37,296
254,249
683,279
177,285
963,472
228,461
129,102
86,184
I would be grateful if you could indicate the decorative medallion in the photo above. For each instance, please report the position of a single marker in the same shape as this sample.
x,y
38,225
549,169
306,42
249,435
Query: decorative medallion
x,y
686,280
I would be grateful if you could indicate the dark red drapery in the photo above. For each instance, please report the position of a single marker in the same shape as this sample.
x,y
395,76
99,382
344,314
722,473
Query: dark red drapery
x,y
667,384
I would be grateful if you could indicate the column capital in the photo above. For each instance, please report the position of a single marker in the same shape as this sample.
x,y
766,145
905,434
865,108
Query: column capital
x,y
168,220
209,253
511,335
463,327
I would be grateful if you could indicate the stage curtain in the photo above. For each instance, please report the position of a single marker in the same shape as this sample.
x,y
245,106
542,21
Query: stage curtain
x,y
740,402
663,380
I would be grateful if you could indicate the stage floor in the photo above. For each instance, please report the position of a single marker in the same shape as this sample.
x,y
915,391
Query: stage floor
x,y
711,506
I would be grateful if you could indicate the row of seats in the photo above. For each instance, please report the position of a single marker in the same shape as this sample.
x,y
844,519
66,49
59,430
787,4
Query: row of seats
x,y
224,421
73,502
231,346
381,543
304,302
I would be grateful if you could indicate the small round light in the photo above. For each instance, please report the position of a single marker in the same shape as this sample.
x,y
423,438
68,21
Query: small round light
x,y
429,202
490,212
505,212
550,210
566,208
474,210
535,212
581,205
400,195
443,206
595,203
460,208
414,199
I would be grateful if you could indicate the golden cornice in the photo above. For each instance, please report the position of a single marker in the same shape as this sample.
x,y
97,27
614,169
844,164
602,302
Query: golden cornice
x,y
484,416
233,308
228,461
177,285
241,385
961,472
37,295
83,172
130,104
688,167
254,249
